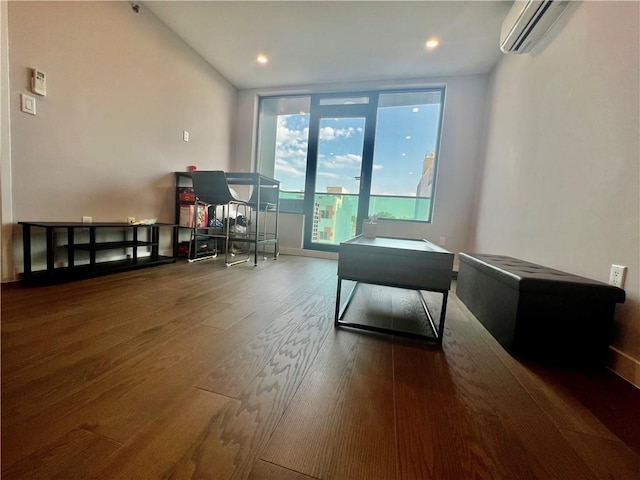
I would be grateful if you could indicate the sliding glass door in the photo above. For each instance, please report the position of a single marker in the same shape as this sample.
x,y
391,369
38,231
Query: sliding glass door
x,y
339,163
342,158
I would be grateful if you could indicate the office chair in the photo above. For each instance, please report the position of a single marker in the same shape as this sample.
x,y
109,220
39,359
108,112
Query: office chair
x,y
211,189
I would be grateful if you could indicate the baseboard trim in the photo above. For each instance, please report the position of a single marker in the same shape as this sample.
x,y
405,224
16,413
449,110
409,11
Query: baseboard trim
x,y
308,253
625,366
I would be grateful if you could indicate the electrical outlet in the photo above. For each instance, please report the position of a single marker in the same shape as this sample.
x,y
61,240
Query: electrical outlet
x,y
443,241
87,219
617,275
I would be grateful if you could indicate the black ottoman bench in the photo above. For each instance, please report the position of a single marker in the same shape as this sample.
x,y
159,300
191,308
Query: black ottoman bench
x,y
537,312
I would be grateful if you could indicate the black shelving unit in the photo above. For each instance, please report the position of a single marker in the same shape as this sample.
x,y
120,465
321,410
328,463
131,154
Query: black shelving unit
x,y
74,271
197,235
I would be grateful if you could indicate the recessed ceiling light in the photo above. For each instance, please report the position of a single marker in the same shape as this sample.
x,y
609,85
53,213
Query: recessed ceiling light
x,y
408,137
404,154
432,43
262,59
415,110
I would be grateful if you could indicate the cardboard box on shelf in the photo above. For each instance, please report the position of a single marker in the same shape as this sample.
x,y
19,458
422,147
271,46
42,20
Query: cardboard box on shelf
x,y
186,216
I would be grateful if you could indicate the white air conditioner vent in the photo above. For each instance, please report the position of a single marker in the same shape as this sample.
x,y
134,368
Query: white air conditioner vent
x,y
527,22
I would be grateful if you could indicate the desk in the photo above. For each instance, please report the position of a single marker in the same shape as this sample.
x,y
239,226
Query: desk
x,y
259,182
395,262
73,271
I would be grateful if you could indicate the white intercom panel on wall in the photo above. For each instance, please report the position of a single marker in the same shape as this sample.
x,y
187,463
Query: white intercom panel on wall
x,y
38,82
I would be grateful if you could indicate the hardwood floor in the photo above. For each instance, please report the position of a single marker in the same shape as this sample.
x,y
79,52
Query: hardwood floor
x,y
201,371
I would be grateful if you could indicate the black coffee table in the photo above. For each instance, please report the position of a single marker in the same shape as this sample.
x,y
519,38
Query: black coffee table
x,y
395,262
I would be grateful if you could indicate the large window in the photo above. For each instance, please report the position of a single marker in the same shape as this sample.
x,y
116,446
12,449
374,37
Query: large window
x,y
371,153
404,159
283,138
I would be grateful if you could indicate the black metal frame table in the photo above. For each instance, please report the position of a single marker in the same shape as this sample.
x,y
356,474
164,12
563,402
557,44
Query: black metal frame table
x,y
258,181
395,262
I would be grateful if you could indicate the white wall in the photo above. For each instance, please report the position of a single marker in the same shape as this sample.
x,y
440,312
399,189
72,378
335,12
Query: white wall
x,y
121,88
461,149
560,185
6,232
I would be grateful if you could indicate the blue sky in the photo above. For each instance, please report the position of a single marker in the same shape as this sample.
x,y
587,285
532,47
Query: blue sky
x,y
404,135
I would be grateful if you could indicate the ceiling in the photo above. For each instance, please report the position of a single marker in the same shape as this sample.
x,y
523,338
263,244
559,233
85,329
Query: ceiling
x,y
319,42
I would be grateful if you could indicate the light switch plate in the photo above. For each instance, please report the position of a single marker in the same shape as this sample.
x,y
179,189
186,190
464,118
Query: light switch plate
x,y
27,104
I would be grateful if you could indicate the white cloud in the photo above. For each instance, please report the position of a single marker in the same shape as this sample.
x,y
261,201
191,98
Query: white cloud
x,y
348,160
291,152
287,136
289,169
330,133
345,132
291,149
295,155
327,133
377,167
330,175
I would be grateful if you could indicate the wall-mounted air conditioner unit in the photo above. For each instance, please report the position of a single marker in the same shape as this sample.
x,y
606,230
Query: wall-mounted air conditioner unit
x,y
527,22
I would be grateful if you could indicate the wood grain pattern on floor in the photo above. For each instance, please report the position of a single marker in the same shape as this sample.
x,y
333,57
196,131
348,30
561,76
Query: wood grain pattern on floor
x,y
207,372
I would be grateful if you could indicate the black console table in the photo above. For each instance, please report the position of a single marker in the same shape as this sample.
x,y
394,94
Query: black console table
x,y
74,271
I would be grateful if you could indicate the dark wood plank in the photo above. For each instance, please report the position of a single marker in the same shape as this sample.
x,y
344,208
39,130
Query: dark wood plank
x,y
71,456
100,380
303,439
608,458
230,446
268,471
573,399
124,360
110,404
234,374
57,359
341,423
225,315
439,436
155,453
370,305
106,404
549,453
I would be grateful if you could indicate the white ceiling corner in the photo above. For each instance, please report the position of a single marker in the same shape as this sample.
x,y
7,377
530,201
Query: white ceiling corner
x,y
317,42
